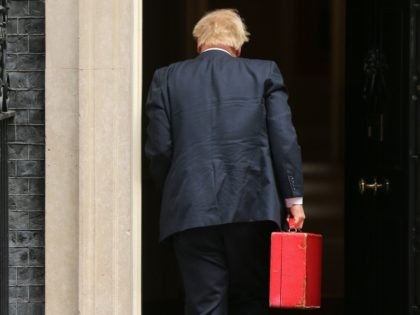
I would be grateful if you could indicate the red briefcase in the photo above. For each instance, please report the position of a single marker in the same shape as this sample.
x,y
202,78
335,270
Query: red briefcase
x,y
295,271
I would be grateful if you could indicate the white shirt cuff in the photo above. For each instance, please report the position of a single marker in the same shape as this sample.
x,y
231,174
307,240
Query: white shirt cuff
x,y
293,201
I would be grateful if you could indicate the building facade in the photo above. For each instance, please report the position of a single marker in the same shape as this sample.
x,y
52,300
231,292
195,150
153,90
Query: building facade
x,y
75,197
26,135
76,122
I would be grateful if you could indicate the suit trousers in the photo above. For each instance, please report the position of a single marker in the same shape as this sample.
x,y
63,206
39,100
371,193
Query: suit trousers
x,y
225,268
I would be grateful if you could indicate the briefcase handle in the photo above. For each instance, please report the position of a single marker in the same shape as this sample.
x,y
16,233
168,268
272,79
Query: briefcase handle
x,y
292,227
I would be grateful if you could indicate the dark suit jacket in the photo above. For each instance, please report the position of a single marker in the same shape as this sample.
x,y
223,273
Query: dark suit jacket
x,y
221,142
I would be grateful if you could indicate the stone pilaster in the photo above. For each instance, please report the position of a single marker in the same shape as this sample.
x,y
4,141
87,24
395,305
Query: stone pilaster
x,y
62,161
99,247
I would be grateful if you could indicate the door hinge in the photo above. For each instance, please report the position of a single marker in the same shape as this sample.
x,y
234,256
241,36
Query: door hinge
x,y
414,97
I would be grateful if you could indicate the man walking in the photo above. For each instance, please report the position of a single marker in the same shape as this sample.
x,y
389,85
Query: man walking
x,y
223,149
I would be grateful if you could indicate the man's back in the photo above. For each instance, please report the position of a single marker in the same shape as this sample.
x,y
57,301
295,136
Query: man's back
x,y
223,148
219,116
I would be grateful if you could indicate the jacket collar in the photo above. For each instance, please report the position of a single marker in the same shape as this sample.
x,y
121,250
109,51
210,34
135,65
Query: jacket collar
x,y
215,53
217,48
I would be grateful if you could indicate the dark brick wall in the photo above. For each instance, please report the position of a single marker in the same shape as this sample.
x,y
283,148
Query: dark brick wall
x,y
25,65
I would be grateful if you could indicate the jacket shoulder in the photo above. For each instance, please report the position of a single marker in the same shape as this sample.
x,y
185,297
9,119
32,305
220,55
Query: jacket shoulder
x,y
179,64
160,71
163,71
266,63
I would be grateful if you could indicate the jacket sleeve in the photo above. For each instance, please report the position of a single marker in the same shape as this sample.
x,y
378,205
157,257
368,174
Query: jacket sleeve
x,y
158,147
285,150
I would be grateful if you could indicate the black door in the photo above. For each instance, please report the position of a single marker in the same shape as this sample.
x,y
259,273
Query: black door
x,y
414,154
378,157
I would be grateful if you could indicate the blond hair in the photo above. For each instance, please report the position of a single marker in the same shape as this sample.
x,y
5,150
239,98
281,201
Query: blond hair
x,y
221,27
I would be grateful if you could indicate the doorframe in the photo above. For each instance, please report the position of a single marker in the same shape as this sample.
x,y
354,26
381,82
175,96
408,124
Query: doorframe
x,y
136,156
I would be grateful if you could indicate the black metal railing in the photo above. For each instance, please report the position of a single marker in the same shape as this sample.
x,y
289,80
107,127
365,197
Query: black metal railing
x,y
4,213
5,117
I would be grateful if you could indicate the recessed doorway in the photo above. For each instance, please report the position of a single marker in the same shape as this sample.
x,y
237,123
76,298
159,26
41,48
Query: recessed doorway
x,y
306,39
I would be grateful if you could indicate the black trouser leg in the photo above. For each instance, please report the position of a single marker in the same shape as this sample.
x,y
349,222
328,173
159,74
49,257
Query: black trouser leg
x,y
225,268
248,255
201,258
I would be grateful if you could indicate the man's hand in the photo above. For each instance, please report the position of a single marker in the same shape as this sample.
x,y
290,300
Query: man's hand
x,y
298,214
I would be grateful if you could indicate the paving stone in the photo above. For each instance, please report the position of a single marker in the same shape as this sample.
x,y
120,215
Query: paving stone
x,y
18,185
30,168
36,152
30,275
36,257
26,79
36,220
36,43
18,294
18,220
37,293
27,239
36,8
12,168
12,26
18,256
17,8
36,186
21,117
17,43
11,133
26,202
30,62
36,116
11,61
12,276
32,134
27,99
18,151
31,26
32,308
12,309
